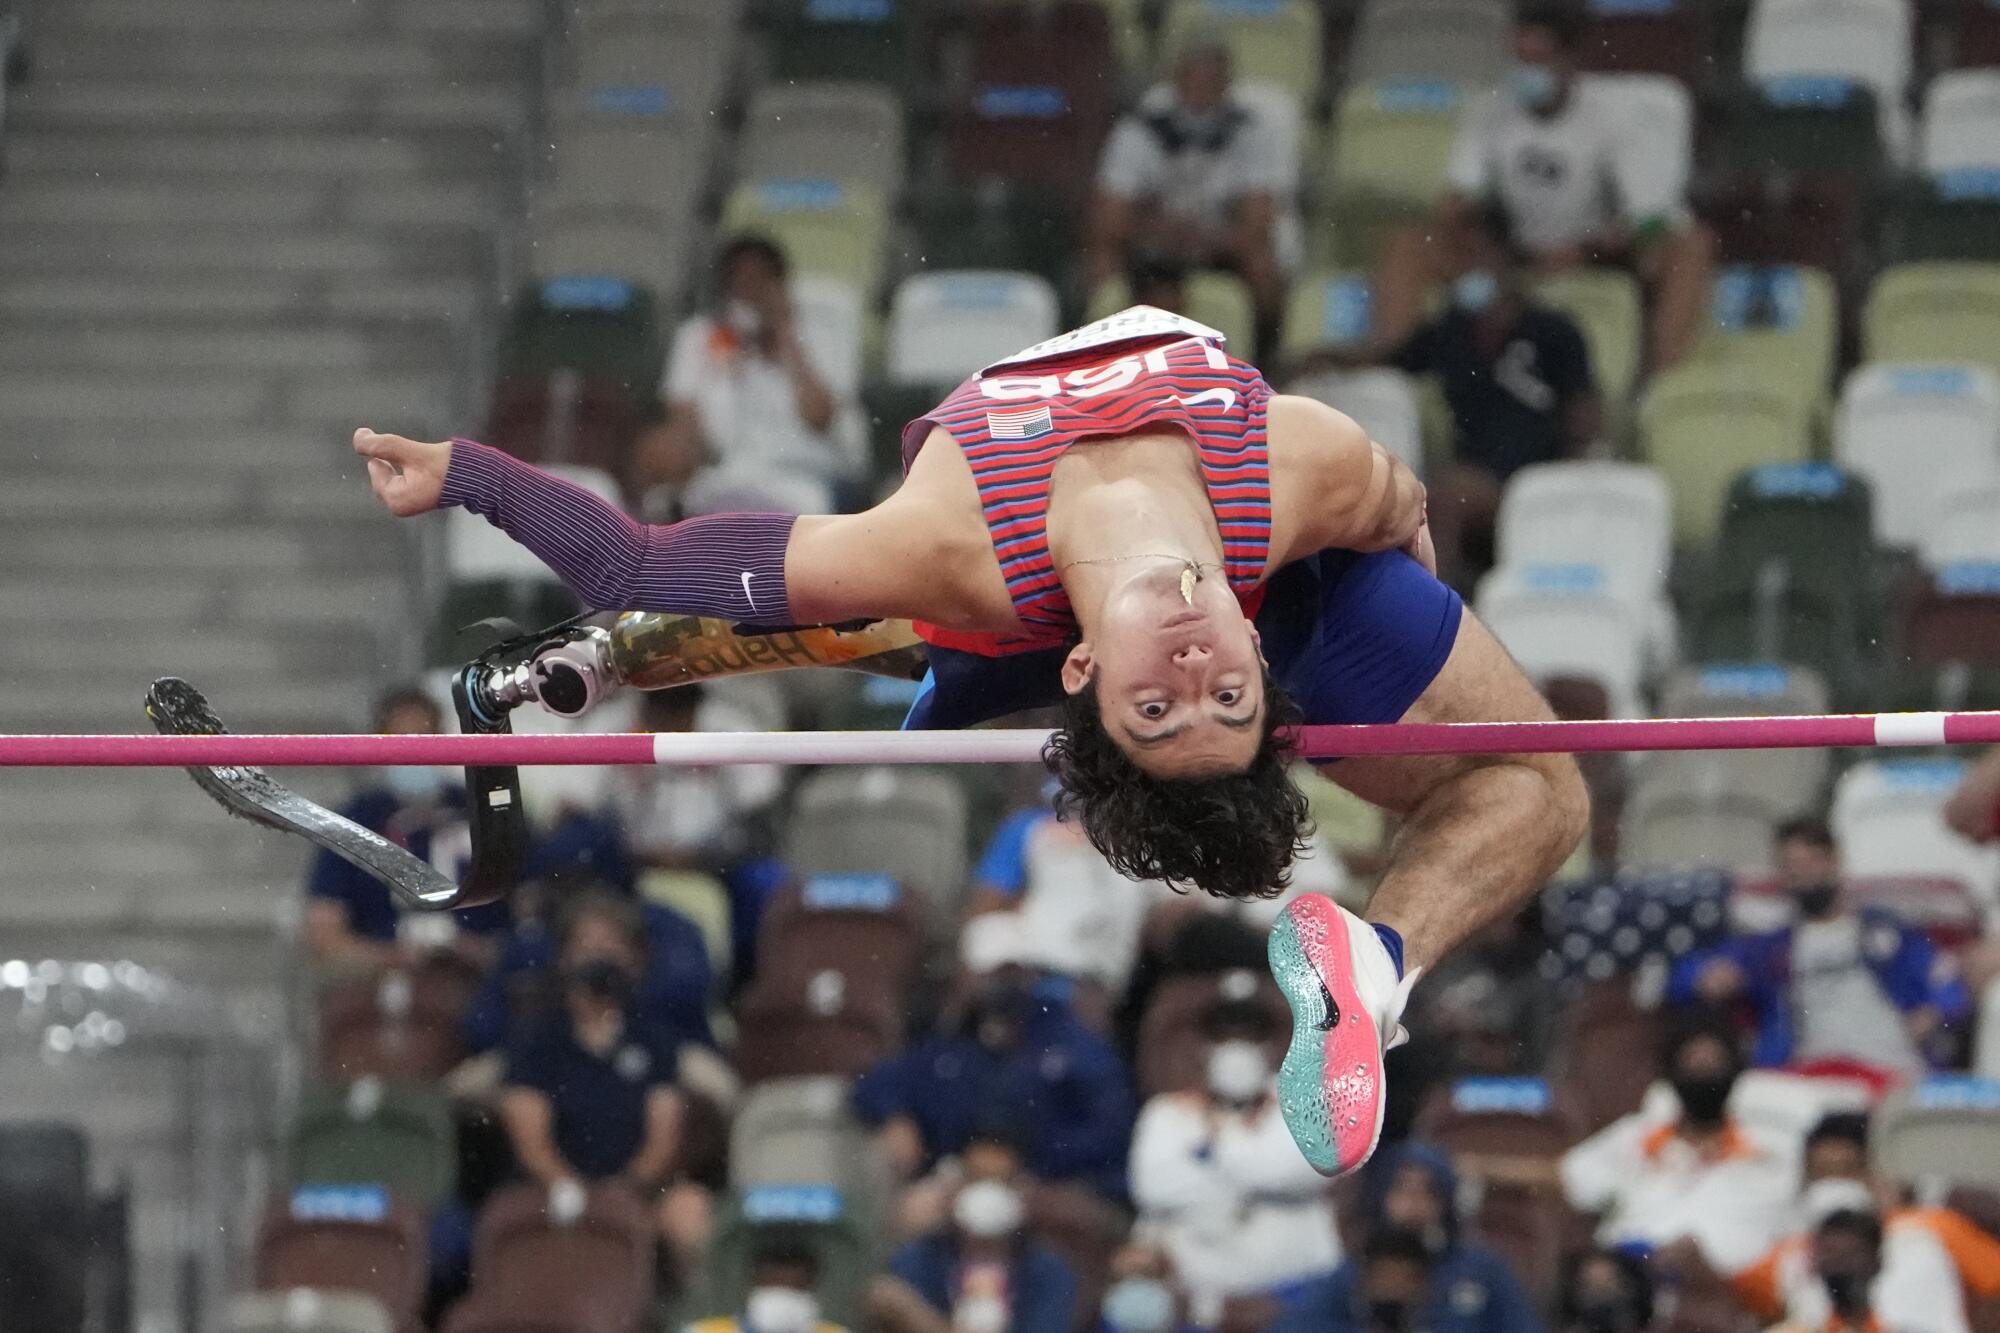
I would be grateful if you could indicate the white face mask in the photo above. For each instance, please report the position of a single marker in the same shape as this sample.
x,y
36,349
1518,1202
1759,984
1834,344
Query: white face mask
x,y
979,1314
742,318
1238,1071
417,782
987,1209
780,1310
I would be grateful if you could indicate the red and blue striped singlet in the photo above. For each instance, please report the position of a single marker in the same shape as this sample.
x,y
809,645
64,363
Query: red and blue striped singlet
x,y
1015,420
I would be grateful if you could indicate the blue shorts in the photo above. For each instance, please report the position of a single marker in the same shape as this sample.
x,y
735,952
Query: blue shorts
x,y
1352,638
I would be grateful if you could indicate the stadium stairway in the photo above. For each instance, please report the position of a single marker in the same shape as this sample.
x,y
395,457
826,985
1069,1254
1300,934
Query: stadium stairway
x,y
233,231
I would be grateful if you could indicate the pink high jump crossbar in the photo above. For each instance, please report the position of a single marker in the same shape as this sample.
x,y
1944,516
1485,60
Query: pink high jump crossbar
x,y
707,749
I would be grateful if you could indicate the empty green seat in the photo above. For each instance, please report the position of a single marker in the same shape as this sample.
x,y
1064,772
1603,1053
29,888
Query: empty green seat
x,y
1385,165
816,1215
1934,312
858,40
1702,425
1779,324
825,227
1608,306
602,327
372,1133
995,226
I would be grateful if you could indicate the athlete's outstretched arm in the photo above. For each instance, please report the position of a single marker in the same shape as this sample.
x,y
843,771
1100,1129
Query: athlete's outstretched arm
x,y
768,568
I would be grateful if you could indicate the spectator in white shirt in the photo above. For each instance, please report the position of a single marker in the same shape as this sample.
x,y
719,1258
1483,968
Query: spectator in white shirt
x,y
1580,182
1199,176
1220,1185
750,422
699,819
1701,1178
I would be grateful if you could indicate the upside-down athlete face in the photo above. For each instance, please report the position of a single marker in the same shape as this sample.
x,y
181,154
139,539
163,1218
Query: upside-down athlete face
x,y
1180,680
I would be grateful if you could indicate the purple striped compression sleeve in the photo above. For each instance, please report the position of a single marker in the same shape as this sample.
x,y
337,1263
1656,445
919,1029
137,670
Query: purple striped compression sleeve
x,y
731,566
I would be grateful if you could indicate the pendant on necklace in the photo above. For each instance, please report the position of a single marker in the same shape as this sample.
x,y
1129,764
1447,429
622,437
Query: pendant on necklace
x,y
1188,577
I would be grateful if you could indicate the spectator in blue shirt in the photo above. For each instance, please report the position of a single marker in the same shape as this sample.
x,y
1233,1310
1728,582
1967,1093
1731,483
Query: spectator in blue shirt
x,y
351,919
1412,1191
1852,987
590,1092
982,1271
1021,1055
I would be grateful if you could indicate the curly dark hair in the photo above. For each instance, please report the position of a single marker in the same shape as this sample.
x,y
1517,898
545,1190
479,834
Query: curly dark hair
x,y
1233,836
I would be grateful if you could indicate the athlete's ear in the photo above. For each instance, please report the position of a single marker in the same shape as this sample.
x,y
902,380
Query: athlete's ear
x,y
1077,669
1257,643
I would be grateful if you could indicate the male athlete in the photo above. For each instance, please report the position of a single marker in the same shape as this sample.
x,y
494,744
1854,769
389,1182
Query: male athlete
x,y
1115,502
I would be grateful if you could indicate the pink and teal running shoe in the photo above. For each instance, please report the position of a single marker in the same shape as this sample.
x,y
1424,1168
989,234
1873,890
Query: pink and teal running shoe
x,y
1346,997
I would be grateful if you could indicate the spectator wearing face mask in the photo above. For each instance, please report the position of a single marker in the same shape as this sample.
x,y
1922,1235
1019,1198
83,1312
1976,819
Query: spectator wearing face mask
x,y
1145,1295
1606,1291
352,920
1845,1280
1220,1185
1838,987
751,422
1394,1290
1579,180
1413,1189
1701,1181
590,1093
1931,1257
981,1273
1020,1057
1200,177
784,1280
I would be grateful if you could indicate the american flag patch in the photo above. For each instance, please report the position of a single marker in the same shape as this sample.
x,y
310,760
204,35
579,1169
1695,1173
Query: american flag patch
x,y
1031,424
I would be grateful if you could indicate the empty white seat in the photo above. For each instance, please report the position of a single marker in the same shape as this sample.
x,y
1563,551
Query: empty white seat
x,y
1383,401
1660,111
1962,122
1865,41
1618,516
691,61
307,1310
1966,530
652,162
1568,620
635,244
833,324
1889,817
1919,434
944,326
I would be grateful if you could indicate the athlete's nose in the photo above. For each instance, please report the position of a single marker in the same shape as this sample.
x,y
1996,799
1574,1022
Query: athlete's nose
x,y
1193,654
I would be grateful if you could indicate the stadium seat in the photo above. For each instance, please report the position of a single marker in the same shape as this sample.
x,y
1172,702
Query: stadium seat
x,y
1795,777
389,1026
1618,516
1273,41
1608,307
45,1225
996,226
594,1270
1460,41
813,1213
1701,425
1383,401
846,132
1978,36
1920,435
1962,124
642,152
799,1131
564,416
1170,1047
1866,41
870,40
582,238
306,1310
1934,312
1814,519
1955,617
846,916
835,961
1670,826
1667,37
909,823
824,227
1953,220
1888,815
1802,130
1037,101
1605,1052
346,1238
398,1136
601,326
944,326
1385,165
1964,530
1570,620
687,51
1328,309
833,325
1778,324
1944,1127
1219,300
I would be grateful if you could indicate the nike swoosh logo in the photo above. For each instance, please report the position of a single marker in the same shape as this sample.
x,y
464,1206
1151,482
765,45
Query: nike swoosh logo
x,y
749,596
1332,1018
1226,397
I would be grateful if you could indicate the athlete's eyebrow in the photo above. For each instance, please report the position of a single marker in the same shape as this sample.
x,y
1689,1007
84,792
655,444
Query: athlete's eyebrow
x,y
1243,723
1156,738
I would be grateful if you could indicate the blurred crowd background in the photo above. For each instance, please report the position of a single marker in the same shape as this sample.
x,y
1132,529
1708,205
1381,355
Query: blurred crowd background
x,y
1688,311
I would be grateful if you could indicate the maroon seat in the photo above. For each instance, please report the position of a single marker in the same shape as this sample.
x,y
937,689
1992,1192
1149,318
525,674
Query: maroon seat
x,y
594,1273
1606,1053
397,1025
304,1242
569,417
1042,87
1172,1054
1816,223
1978,45
1942,626
1676,42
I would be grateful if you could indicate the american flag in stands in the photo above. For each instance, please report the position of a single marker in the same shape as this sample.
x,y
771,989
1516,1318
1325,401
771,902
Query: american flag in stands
x,y
1609,927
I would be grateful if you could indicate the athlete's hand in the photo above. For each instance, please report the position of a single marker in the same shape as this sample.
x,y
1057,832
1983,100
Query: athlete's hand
x,y
407,475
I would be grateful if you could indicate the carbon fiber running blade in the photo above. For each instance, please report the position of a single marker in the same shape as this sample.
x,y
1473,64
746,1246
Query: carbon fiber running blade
x,y
179,709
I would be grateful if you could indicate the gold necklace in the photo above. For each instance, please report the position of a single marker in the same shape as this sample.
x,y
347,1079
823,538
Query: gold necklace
x,y
1190,569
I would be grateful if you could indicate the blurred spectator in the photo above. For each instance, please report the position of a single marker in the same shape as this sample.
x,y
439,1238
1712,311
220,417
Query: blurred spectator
x,y
351,917
1023,1057
1160,283
750,423
590,1092
1606,1291
1144,1295
1392,1291
1196,176
1930,1257
1078,916
674,981
1487,1010
784,1275
1838,987
702,819
982,1273
1220,1185
1517,377
1845,1280
1701,1178
1577,182
1413,1191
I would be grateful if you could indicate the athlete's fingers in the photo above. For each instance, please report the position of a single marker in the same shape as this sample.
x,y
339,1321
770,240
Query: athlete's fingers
x,y
394,448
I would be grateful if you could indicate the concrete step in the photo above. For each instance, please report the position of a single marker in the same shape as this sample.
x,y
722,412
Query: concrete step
x,y
330,57
248,706
417,206
155,603
144,152
289,18
263,105
261,348
415,304
303,255
276,458
385,399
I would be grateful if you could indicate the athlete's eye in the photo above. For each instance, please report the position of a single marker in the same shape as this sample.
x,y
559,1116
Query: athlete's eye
x,y
1154,710
1228,698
